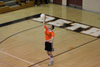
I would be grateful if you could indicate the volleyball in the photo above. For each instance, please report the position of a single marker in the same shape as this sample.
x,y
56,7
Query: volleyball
x,y
42,16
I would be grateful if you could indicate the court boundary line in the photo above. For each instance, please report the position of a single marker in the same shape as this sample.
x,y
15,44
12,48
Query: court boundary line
x,y
56,54
37,15
18,33
8,54
18,20
56,18
84,44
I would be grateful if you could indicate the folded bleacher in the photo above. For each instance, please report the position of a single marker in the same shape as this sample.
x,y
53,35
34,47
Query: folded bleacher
x,y
11,5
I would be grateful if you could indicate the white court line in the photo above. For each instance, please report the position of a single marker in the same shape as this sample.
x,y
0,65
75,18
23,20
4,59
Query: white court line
x,y
8,54
18,58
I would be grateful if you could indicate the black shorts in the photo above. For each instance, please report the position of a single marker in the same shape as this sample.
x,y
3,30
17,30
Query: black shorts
x,y
48,46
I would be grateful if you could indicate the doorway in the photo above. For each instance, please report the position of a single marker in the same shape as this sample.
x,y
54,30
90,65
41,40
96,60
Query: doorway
x,y
75,3
57,2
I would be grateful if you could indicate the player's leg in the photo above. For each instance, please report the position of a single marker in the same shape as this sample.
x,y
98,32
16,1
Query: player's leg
x,y
51,58
50,54
49,49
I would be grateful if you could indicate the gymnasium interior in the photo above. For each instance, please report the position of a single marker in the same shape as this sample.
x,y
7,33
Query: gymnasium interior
x,y
77,33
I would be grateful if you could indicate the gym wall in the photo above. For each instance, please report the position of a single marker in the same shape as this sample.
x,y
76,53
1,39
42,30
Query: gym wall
x,y
88,5
91,5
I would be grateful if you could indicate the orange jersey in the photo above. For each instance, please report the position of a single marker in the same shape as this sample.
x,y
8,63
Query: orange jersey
x,y
48,34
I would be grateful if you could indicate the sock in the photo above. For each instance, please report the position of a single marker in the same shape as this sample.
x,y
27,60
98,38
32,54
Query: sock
x,y
51,59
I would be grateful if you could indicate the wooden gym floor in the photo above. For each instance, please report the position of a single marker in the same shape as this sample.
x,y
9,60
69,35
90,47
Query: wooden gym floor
x,y
22,44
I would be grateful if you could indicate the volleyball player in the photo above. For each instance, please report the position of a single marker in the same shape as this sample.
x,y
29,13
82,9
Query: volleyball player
x,y
49,37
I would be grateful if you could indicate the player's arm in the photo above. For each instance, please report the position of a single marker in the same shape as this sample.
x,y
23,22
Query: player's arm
x,y
44,24
44,21
51,40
